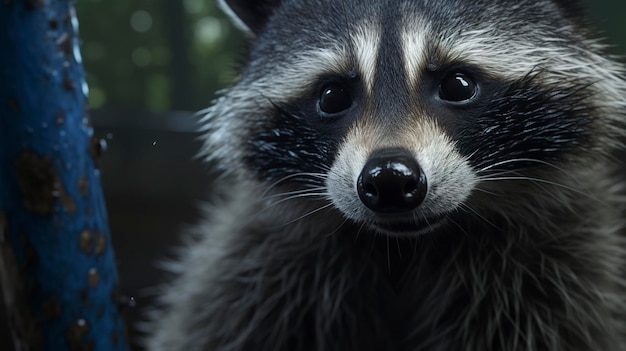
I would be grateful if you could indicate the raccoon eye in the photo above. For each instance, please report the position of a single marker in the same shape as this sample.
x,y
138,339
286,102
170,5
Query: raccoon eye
x,y
334,99
457,87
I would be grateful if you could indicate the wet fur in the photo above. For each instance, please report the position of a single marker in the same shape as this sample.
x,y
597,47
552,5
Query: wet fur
x,y
533,258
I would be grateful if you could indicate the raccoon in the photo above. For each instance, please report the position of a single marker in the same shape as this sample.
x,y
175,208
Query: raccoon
x,y
409,175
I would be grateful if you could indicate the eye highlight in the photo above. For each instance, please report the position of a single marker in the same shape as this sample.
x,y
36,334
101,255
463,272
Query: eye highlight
x,y
457,87
334,99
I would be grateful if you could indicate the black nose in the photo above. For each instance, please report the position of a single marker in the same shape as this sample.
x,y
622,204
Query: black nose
x,y
392,182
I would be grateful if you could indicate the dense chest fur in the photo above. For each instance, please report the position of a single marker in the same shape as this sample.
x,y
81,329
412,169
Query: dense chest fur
x,y
320,284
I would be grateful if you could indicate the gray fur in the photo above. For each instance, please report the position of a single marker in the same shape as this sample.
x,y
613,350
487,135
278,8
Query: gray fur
x,y
531,254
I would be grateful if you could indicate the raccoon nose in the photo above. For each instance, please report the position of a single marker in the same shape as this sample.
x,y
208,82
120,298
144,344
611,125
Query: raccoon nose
x,y
391,182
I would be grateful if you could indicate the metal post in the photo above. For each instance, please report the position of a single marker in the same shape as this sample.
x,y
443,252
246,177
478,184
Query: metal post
x,y
56,258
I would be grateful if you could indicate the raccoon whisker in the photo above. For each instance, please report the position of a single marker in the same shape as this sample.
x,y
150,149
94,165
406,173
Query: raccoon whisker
x,y
468,208
538,181
321,176
338,227
388,255
529,160
553,195
301,191
416,242
460,227
305,215
291,197
487,191
513,160
545,181
398,247
356,238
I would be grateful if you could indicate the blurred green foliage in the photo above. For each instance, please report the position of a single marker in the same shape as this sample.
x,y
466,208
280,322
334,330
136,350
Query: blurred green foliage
x,y
156,55
174,54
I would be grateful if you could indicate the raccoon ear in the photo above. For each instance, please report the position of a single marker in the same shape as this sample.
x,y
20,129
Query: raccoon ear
x,y
249,15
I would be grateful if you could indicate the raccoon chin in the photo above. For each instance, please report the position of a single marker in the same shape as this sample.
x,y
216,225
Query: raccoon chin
x,y
408,227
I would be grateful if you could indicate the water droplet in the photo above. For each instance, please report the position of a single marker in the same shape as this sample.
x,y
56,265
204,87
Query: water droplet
x,y
154,143
109,136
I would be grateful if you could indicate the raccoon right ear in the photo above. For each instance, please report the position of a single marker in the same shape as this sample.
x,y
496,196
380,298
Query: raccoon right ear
x,y
249,15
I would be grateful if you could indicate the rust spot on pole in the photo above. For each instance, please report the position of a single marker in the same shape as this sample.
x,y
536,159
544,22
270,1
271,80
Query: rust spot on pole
x,y
83,186
92,243
36,180
92,277
74,336
39,184
101,244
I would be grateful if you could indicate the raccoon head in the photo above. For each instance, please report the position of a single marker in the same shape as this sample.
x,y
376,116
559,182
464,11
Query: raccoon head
x,y
403,114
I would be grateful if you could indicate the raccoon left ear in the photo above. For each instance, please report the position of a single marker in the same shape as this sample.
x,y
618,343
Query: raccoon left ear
x,y
249,15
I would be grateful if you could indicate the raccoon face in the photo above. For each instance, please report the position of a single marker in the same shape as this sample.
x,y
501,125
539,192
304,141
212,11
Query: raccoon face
x,y
401,116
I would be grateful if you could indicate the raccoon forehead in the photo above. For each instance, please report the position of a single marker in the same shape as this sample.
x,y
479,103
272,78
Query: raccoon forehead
x,y
274,77
296,71
285,68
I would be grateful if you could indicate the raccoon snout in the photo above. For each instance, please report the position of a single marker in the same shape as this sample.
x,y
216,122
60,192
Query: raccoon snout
x,y
392,182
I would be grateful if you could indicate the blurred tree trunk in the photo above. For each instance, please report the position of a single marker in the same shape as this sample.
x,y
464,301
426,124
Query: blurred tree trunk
x,y
56,260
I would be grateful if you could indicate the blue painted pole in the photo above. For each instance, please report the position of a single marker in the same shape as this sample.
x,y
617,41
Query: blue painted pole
x,y
56,258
